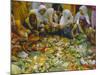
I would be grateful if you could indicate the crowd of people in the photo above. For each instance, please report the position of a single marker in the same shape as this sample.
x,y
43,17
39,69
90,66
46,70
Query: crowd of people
x,y
46,37
42,21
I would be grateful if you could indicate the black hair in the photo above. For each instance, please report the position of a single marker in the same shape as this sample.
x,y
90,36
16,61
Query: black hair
x,y
57,7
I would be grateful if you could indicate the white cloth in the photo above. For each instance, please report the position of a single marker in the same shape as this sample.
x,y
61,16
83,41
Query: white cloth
x,y
42,7
40,17
48,15
22,54
49,12
85,14
66,18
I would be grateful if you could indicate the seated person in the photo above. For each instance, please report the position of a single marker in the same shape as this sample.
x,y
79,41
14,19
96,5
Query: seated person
x,y
30,22
82,25
66,22
82,19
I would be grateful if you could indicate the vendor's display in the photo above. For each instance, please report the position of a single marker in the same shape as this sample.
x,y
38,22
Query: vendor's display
x,y
46,39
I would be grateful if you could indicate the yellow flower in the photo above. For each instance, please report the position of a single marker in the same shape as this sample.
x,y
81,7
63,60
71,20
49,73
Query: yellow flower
x,y
42,60
50,50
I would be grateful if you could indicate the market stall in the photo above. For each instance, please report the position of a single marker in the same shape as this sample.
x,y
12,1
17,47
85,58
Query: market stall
x,y
43,49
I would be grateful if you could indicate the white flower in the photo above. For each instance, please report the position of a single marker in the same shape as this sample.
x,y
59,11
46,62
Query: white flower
x,y
83,61
92,62
22,54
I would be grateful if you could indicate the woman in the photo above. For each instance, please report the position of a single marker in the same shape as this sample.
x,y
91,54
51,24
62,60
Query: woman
x,y
51,17
40,13
66,22
52,24
82,19
44,15
82,24
30,22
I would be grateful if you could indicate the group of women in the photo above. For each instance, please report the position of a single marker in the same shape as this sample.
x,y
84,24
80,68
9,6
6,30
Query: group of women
x,y
40,20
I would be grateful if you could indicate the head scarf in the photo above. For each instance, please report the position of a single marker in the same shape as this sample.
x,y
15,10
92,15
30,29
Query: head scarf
x,y
31,12
50,11
27,19
49,14
85,14
66,18
42,7
66,14
83,9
